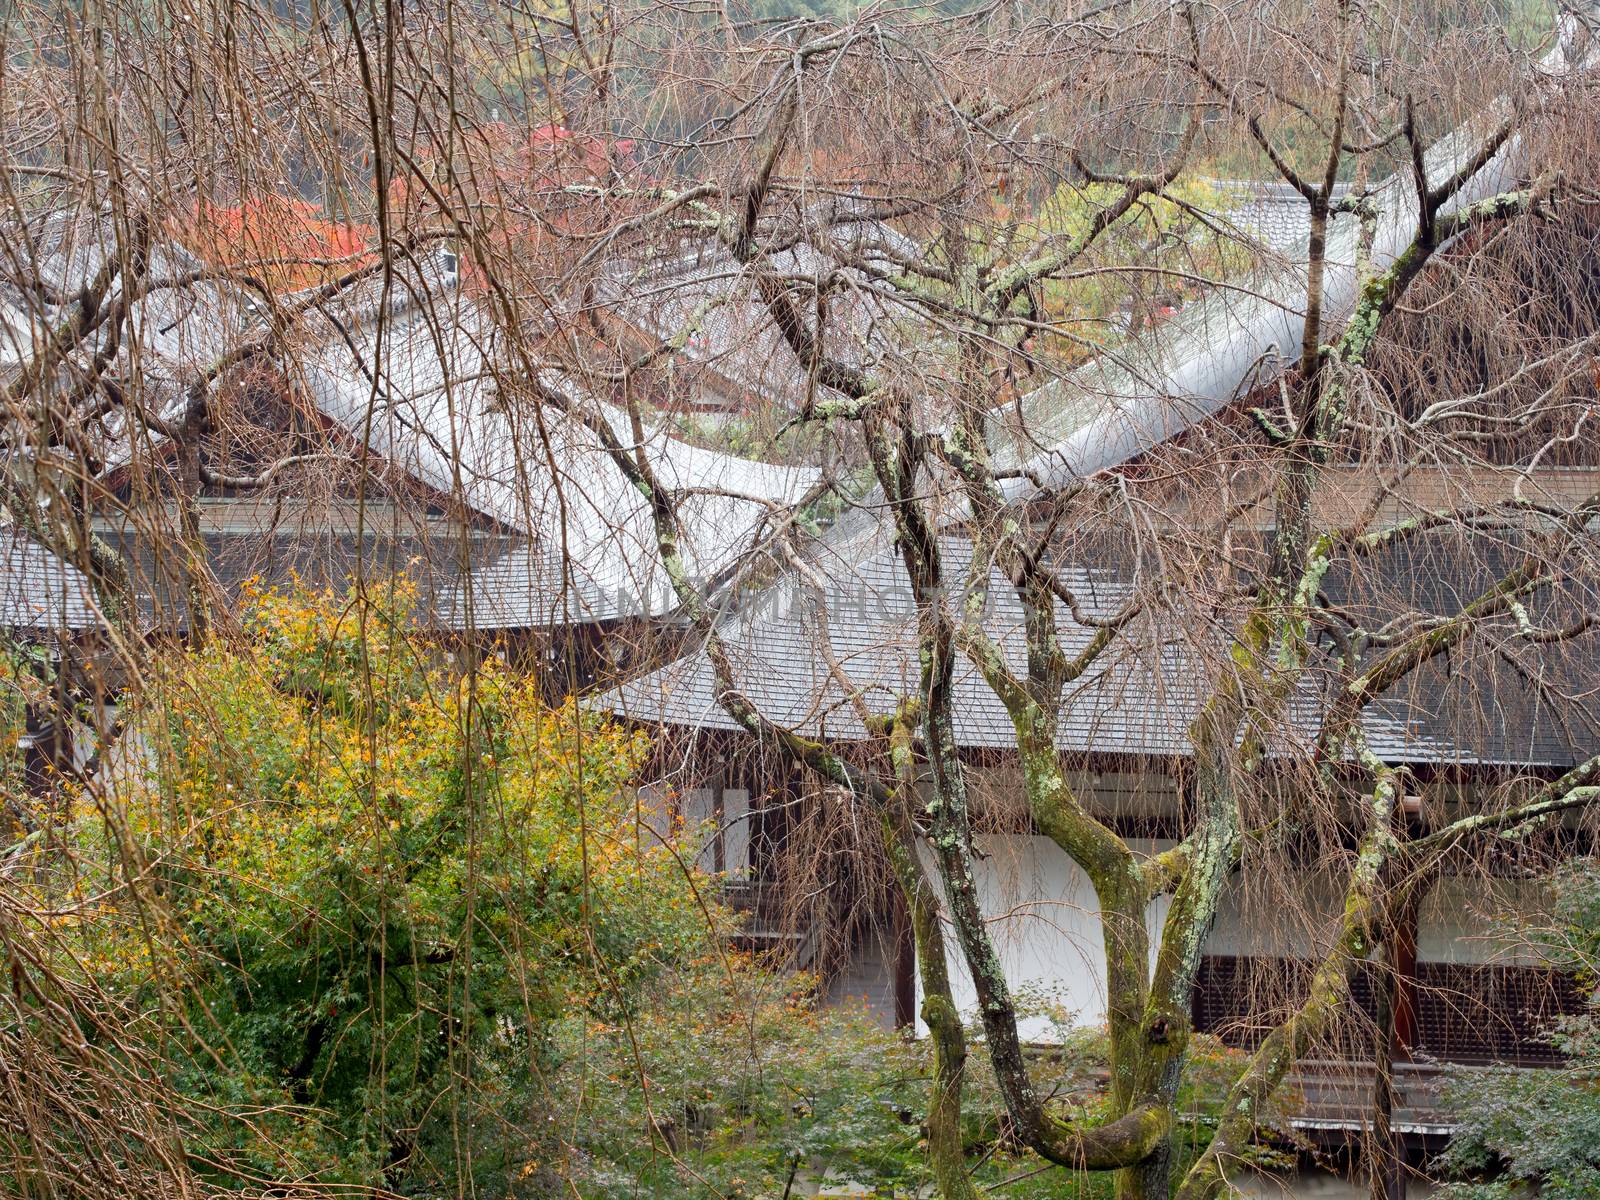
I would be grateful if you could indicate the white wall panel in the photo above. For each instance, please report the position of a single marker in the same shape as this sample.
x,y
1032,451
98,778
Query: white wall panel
x,y
1466,920
1045,922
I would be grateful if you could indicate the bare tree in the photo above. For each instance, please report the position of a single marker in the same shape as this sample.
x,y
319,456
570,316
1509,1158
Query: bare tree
x,y
1326,99
981,262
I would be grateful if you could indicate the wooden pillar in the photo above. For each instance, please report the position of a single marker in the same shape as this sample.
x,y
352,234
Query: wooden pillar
x,y
38,753
1395,1035
1404,965
719,813
905,964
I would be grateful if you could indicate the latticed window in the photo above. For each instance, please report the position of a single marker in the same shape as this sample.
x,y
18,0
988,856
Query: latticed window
x,y
1468,1013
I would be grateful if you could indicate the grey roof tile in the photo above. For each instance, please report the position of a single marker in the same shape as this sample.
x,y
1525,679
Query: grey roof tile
x,y
1138,700
436,396
40,594
175,325
706,289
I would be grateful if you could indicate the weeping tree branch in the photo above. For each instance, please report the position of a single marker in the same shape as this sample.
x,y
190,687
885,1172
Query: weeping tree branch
x,y
636,469
1268,659
1149,1013
1367,897
938,1010
1421,648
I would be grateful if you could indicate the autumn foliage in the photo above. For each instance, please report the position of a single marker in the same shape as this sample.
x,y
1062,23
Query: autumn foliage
x,y
363,884
284,242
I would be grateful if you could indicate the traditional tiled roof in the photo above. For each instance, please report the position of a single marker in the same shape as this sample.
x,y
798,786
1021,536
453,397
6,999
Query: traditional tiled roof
x,y
40,594
706,290
1139,698
1239,337
179,324
429,389
1109,411
304,554
1270,212
527,588
434,395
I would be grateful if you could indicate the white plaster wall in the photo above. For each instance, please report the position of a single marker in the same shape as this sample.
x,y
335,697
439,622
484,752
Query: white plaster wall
x,y
698,810
1045,922
1465,920
736,831
653,803
1280,918
1461,920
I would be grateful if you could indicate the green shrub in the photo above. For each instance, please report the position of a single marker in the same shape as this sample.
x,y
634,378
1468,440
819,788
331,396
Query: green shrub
x,y
350,890
1537,1132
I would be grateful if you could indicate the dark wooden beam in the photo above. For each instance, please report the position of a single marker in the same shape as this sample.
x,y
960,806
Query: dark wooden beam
x,y
1395,1035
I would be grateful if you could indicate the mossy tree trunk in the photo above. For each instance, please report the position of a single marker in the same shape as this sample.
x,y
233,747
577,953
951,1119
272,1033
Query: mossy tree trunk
x,y
1148,1000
